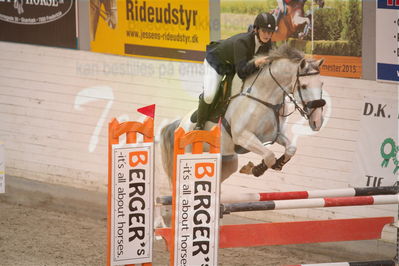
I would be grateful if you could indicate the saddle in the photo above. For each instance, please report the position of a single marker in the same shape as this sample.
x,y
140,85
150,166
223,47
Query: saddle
x,y
220,102
219,107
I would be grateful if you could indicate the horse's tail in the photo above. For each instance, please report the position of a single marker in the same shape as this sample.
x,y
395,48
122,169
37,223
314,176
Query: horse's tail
x,y
167,141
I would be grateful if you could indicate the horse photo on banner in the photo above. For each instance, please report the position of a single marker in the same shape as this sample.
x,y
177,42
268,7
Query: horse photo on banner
x,y
326,29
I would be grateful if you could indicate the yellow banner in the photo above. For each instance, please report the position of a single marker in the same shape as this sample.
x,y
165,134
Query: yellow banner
x,y
174,29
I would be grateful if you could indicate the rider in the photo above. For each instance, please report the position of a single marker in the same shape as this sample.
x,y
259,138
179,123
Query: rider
x,y
231,56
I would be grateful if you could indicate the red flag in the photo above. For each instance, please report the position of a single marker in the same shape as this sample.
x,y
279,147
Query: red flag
x,y
147,110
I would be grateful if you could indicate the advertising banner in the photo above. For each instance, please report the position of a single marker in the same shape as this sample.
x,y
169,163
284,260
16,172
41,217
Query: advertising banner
x,y
175,29
387,40
376,157
132,203
326,29
197,209
51,22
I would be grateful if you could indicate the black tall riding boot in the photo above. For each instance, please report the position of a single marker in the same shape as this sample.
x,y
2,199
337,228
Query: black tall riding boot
x,y
202,114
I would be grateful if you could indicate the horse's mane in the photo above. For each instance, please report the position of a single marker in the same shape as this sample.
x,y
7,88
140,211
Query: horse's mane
x,y
284,52
287,52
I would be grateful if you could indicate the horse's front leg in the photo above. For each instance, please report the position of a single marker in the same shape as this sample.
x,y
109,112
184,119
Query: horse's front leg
x,y
249,141
290,150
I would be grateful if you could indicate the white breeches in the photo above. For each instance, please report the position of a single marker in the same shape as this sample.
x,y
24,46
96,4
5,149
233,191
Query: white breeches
x,y
211,82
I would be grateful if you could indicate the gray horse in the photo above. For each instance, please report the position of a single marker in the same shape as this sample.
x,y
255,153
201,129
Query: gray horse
x,y
257,115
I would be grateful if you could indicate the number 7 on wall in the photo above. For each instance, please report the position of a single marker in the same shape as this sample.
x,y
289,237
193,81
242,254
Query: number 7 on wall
x,y
95,94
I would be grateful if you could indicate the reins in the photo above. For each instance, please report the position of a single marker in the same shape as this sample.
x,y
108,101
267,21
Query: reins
x,y
297,107
276,107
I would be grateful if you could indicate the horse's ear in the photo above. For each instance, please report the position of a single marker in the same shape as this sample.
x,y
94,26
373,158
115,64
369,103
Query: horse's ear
x,y
302,64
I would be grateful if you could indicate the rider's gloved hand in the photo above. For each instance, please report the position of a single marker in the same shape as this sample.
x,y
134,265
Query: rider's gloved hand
x,y
261,61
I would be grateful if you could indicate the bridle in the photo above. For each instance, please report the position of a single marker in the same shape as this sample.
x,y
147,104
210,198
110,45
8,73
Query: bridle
x,y
306,106
304,110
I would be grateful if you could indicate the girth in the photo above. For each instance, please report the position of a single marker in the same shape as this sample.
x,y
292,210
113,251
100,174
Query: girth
x,y
274,107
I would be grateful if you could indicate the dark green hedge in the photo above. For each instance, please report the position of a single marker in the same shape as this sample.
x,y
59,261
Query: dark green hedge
x,y
344,48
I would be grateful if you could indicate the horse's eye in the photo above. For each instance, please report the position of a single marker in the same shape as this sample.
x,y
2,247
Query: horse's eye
x,y
303,87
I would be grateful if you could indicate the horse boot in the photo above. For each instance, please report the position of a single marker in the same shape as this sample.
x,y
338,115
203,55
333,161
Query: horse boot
x,y
202,113
259,169
280,162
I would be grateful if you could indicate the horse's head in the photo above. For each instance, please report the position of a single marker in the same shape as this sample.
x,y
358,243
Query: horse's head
x,y
309,91
291,73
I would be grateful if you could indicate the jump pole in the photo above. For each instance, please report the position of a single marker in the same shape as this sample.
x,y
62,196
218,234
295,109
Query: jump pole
x,y
310,194
284,233
196,193
310,203
130,193
266,234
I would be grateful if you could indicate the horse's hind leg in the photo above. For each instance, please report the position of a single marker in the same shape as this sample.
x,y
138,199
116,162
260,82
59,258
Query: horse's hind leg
x,y
229,166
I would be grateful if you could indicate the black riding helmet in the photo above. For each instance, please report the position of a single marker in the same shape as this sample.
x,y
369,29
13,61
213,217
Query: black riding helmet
x,y
265,21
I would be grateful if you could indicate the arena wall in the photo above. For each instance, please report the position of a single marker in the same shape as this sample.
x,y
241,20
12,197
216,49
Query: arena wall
x,y
55,105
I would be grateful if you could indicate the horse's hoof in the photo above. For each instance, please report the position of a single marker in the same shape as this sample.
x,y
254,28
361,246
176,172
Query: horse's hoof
x,y
260,169
247,169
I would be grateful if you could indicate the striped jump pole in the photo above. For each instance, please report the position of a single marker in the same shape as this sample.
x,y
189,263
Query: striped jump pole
x,y
266,234
311,194
130,193
268,196
310,203
359,263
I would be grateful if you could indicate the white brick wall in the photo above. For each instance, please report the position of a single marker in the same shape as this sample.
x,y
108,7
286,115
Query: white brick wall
x,y
52,101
